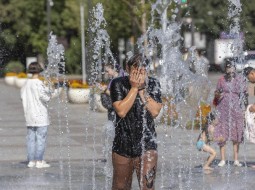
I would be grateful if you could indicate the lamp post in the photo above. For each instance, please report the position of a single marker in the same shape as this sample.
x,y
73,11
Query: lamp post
x,y
83,43
49,5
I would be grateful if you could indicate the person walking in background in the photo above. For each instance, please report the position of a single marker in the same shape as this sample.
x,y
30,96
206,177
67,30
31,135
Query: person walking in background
x,y
137,101
112,71
231,95
35,96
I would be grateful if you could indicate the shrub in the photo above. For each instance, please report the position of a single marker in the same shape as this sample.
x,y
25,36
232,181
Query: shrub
x,y
14,67
73,57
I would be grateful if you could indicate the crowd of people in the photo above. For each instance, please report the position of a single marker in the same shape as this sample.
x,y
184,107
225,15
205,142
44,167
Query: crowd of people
x,y
133,99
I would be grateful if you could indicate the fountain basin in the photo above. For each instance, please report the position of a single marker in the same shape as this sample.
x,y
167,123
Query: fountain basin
x,y
78,95
10,80
19,82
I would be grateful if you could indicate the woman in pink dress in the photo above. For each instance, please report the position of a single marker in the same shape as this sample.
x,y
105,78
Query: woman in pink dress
x,y
232,98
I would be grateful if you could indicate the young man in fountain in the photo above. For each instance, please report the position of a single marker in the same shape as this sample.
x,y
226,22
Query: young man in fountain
x,y
137,101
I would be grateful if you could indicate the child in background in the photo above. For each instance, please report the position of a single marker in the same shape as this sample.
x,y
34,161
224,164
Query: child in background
x,y
204,139
35,95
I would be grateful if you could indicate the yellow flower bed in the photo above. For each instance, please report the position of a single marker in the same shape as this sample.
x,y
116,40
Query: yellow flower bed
x,y
22,75
172,115
41,78
203,110
77,84
10,74
200,120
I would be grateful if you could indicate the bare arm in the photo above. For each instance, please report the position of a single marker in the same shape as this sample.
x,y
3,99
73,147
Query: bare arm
x,y
151,105
136,79
122,107
252,108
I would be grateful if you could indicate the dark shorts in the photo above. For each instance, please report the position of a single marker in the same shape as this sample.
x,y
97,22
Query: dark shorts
x,y
131,149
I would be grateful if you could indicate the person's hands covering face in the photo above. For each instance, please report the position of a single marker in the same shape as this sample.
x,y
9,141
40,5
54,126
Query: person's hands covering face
x,y
137,77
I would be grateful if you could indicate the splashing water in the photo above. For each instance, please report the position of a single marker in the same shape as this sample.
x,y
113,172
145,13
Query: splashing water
x,y
234,29
56,64
54,72
101,55
186,88
101,44
181,86
234,11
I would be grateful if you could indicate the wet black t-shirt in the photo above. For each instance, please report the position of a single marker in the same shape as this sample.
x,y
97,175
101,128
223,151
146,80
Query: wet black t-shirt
x,y
136,131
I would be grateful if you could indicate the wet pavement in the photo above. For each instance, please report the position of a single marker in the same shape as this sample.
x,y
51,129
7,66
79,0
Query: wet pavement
x,y
75,153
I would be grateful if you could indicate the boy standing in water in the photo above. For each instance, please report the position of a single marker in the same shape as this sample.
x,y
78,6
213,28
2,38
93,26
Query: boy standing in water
x,y
136,105
35,96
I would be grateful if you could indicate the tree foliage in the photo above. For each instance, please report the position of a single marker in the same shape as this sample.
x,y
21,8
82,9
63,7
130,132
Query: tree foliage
x,y
212,18
23,24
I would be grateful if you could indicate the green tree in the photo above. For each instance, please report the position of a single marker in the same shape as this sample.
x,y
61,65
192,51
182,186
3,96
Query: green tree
x,y
212,18
24,26
73,57
248,23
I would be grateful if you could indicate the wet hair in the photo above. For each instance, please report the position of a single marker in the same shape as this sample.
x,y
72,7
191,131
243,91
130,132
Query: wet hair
x,y
137,60
209,118
34,68
247,71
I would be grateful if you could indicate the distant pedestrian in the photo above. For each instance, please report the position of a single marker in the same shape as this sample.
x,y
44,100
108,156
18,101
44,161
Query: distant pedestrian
x,y
249,72
231,93
35,95
113,71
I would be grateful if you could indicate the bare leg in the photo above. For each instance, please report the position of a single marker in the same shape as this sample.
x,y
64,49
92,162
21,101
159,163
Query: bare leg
x,y
146,168
122,172
236,150
222,152
212,156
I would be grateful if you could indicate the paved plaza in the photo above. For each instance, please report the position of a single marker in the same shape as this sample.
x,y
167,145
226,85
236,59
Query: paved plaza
x,y
75,153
